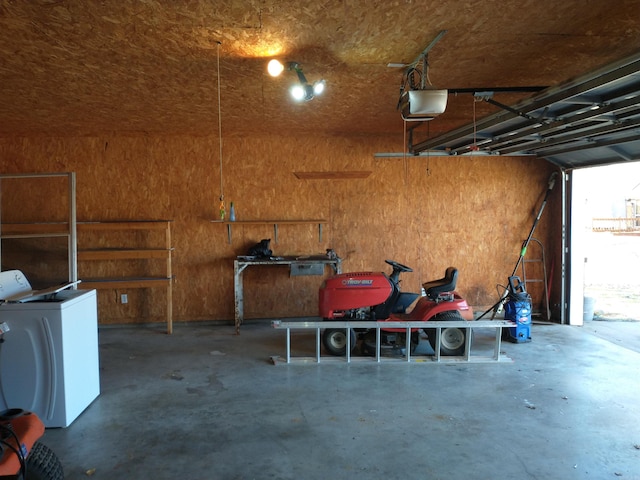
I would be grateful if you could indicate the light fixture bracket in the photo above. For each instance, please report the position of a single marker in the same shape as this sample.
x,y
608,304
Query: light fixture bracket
x,y
297,68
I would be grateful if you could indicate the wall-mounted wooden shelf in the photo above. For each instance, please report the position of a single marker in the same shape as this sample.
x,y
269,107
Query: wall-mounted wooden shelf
x,y
35,230
332,175
275,224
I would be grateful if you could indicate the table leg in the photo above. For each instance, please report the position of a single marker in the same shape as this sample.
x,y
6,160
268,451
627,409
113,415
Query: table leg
x,y
238,295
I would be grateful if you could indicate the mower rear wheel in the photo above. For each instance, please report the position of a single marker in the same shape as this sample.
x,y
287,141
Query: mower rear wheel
x,y
335,340
452,340
43,464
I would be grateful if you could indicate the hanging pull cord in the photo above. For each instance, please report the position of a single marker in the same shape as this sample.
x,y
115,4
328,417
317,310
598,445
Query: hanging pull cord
x,y
220,129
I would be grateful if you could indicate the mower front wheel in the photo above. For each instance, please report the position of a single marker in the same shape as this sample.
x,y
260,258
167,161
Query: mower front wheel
x,y
335,340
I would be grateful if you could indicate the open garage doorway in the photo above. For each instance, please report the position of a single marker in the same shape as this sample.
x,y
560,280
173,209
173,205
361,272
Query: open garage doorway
x,y
605,244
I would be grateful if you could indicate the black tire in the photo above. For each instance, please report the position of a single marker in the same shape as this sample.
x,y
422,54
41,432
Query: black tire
x,y
452,340
43,464
335,340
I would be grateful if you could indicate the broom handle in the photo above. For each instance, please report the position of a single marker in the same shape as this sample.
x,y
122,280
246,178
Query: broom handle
x,y
525,245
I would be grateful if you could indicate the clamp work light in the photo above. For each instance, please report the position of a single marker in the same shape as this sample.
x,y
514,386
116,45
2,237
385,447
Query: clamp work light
x,y
303,90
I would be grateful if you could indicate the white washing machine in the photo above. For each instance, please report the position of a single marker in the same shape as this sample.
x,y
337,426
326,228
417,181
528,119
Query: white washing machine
x,y
49,361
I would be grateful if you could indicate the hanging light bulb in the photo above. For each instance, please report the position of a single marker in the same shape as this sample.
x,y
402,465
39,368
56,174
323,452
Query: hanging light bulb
x,y
297,92
318,87
275,67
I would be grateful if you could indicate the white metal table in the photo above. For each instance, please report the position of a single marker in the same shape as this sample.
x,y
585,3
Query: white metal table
x,y
300,263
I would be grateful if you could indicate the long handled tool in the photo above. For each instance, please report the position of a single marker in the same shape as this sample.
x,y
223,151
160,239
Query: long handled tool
x,y
497,307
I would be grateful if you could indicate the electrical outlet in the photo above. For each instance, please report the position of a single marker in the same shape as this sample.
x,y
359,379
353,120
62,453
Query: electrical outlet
x,y
124,298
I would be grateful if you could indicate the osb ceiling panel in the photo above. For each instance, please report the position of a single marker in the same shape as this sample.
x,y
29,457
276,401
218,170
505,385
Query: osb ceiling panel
x,y
151,66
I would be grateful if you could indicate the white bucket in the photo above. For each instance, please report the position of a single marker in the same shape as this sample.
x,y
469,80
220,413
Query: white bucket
x,y
589,304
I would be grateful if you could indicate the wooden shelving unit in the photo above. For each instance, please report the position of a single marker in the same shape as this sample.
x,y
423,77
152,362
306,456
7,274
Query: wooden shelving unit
x,y
80,251
47,229
114,253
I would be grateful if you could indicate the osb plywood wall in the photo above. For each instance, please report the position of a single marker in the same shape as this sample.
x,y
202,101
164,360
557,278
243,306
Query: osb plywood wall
x,y
473,213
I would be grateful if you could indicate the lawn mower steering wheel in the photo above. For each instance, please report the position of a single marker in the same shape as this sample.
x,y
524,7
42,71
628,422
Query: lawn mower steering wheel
x,y
400,267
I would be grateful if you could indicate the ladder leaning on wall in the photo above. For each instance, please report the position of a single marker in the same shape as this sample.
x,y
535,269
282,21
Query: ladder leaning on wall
x,y
537,274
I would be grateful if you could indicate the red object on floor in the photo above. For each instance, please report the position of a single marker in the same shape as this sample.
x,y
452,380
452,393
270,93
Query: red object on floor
x,y
28,428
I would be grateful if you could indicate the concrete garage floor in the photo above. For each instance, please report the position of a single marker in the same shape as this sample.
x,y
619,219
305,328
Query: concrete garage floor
x,y
204,403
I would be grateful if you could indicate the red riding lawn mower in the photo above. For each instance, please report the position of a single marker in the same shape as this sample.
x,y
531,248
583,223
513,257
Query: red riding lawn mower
x,y
22,456
376,296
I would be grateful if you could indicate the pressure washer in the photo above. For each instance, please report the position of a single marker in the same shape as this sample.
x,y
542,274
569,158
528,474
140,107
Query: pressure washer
x,y
517,310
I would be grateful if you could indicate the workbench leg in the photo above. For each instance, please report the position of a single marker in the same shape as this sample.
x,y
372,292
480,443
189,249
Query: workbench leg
x,y
238,296
169,309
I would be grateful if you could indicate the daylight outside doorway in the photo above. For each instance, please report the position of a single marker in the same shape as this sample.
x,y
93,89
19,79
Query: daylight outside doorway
x,y
606,240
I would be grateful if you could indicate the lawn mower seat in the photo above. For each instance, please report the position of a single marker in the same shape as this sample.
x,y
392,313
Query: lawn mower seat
x,y
446,284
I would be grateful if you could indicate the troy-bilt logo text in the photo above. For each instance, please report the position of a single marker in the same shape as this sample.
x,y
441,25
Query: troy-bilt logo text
x,y
352,282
